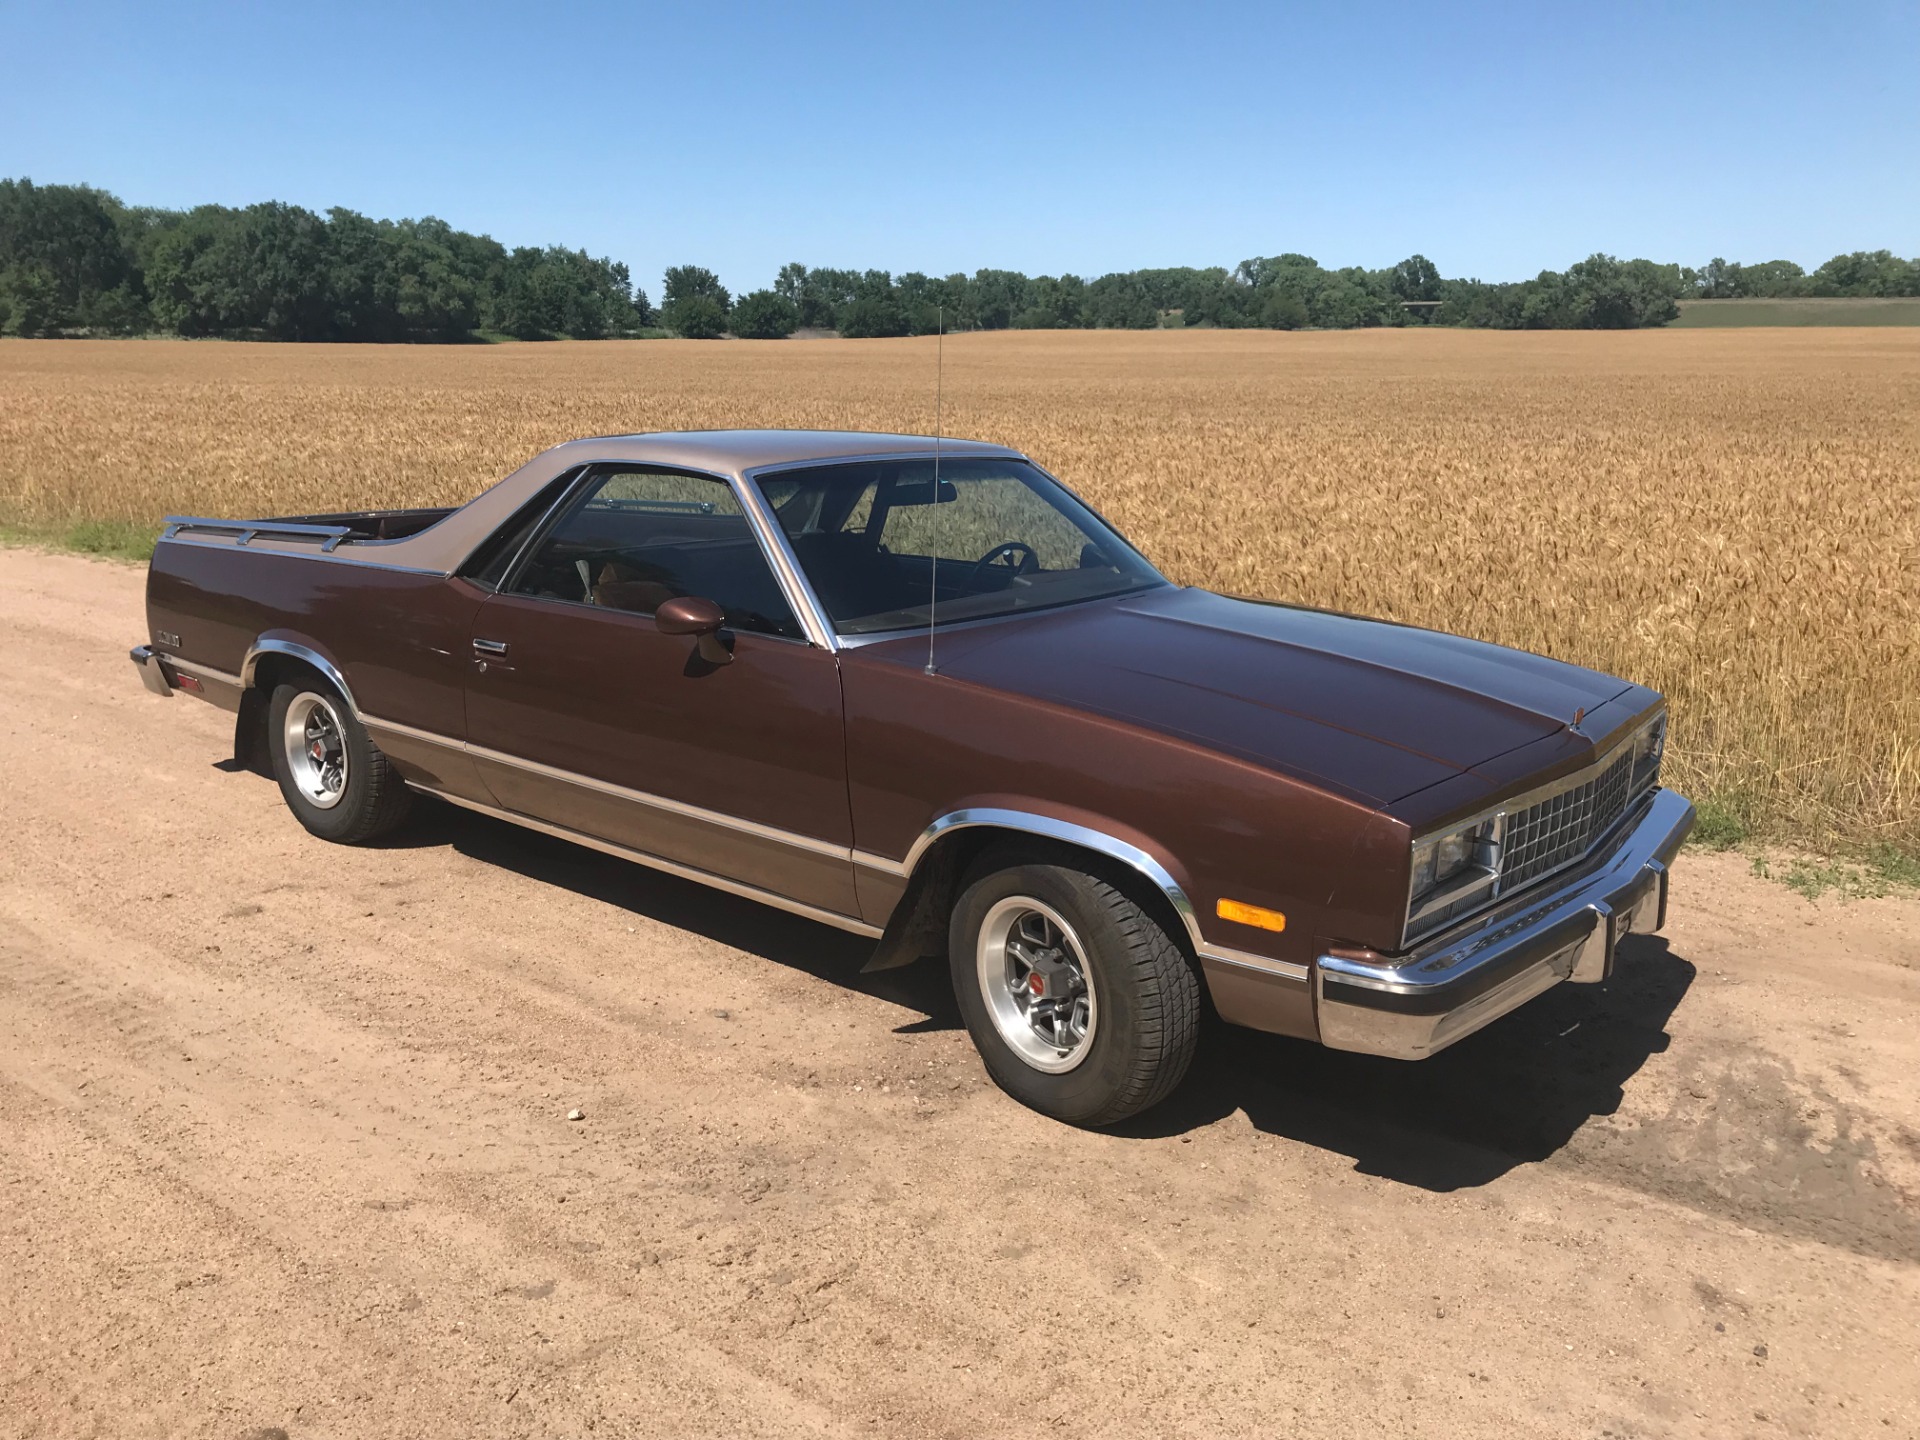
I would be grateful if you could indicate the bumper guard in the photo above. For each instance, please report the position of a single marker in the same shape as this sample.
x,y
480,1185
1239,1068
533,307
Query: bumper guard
x,y
151,674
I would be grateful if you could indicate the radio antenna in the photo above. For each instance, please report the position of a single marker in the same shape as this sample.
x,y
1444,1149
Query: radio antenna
x,y
933,555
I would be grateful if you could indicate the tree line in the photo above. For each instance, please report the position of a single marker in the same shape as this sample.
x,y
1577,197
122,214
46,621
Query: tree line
x,y
74,259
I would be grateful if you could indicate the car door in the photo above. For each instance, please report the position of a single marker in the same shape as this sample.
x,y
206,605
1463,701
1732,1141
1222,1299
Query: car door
x,y
583,713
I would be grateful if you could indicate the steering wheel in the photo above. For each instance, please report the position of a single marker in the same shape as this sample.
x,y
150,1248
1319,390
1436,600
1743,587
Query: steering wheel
x,y
1027,560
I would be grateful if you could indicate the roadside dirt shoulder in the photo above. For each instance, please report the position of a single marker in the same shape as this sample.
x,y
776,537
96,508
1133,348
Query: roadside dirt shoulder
x,y
283,1147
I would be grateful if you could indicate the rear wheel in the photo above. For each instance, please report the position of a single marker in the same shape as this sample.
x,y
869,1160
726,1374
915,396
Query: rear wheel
x,y
333,777
1079,1001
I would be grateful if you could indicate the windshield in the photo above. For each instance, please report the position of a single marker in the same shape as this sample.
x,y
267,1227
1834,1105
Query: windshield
x,y
879,544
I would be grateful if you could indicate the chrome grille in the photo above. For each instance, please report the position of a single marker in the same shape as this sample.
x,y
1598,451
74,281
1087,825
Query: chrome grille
x,y
1564,827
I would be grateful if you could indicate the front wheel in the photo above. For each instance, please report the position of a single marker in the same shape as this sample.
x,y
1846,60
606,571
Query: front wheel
x,y
332,776
1081,1004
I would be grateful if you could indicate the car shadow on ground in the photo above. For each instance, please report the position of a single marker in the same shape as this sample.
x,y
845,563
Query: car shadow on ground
x,y
804,945
1512,1094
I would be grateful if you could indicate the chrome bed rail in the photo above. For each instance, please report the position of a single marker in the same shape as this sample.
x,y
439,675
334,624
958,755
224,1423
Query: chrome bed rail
x,y
250,530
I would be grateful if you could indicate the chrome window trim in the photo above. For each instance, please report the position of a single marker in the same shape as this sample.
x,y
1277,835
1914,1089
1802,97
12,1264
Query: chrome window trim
x,y
840,641
670,867
566,482
1525,800
1086,838
593,609
786,565
799,599
922,452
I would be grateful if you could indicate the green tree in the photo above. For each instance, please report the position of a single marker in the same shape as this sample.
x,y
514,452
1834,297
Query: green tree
x,y
70,262
1120,302
765,315
694,303
869,316
1284,310
1415,278
1866,272
29,301
698,317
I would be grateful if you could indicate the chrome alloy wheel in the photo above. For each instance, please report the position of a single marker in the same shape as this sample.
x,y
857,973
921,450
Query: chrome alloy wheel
x,y
1037,984
316,750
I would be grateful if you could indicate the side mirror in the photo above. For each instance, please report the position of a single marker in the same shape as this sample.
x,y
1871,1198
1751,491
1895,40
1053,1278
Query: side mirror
x,y
691,615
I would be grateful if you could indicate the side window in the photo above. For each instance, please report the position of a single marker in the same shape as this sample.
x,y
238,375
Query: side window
x,y
635,538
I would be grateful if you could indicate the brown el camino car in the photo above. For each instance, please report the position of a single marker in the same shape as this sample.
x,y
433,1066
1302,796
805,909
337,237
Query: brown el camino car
x,y
918,690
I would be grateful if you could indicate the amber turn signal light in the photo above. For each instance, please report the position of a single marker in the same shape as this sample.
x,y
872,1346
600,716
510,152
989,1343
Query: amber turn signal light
x,y
1257,916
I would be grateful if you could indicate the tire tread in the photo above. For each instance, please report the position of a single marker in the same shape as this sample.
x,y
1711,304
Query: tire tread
x,y
1164,985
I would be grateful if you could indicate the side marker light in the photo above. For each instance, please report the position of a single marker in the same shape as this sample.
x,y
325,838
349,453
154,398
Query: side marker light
x,y
1257,916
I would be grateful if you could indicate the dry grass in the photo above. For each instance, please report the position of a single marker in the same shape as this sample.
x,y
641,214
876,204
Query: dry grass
x,y
1731,517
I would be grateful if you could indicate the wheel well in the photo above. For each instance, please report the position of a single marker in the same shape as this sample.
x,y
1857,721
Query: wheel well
x,y
919,923
250,725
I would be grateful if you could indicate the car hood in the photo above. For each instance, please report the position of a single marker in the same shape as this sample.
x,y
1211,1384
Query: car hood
x,y
1370,707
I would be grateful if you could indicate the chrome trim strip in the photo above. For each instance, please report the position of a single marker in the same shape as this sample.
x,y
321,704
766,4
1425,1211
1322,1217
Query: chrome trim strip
x,y
660,802
1026,822
654,862
868,860
1101,843
1246,960
249,530
204,672
299,652
779,554
394,727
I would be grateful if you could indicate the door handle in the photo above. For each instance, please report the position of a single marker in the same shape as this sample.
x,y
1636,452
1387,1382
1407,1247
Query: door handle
x,y
490,647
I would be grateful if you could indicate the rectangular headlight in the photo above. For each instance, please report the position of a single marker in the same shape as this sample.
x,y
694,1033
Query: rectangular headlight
x,y
1453,872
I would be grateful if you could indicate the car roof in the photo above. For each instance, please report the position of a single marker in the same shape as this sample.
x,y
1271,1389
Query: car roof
x,y
735,451
442,547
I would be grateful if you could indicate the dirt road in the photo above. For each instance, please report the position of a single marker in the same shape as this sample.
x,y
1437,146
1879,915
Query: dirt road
x,y
283,1150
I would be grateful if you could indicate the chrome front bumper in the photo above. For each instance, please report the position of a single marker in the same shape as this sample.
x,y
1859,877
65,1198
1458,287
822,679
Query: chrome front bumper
x,y
1411,1006
151,675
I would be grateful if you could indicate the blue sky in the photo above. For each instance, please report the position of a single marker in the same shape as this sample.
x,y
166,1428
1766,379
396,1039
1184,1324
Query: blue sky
x,y
1496,139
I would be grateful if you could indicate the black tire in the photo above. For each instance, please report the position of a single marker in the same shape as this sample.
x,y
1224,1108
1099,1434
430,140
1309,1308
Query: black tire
x,y
372,798
1142,1035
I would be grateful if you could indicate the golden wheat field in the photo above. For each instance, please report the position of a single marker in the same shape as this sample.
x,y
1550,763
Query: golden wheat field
x,y
1732,517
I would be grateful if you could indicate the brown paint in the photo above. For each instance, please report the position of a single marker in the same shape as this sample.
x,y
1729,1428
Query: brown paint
x,y
606,694
1273,755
